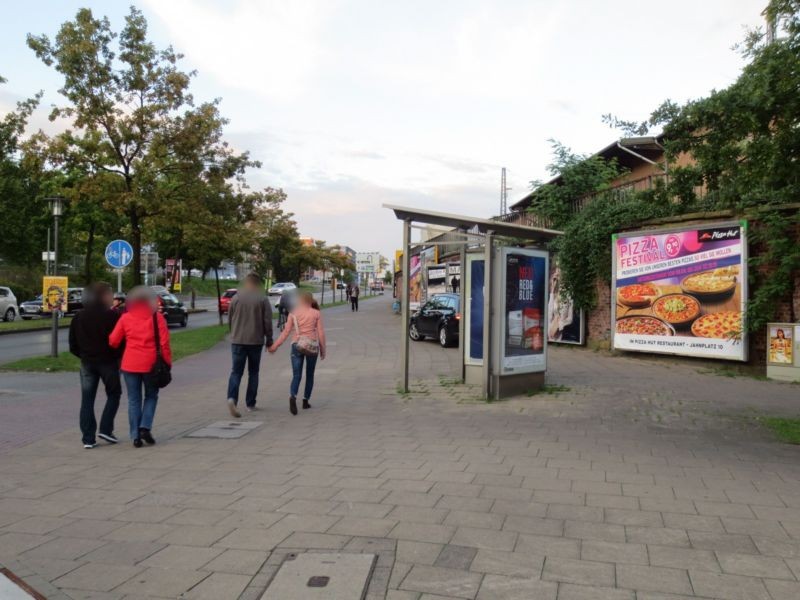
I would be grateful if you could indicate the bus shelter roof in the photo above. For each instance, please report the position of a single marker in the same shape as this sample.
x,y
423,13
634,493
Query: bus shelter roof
x,y
501,228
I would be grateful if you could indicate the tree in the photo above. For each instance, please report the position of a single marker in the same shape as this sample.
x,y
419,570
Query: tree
x,y
133,117
23,216
277,242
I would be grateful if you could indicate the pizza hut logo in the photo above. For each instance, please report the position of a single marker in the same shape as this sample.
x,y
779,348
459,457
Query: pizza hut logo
x,y
716,235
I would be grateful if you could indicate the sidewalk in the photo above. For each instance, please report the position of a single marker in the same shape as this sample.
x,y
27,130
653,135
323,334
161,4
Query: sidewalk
x,y
637,480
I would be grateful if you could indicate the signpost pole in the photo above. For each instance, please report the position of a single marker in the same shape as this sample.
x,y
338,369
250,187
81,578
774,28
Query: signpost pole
x,y
119,281
54,312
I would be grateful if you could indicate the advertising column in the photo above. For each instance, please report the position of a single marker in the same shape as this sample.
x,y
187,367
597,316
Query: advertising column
x,y
523,335
681,291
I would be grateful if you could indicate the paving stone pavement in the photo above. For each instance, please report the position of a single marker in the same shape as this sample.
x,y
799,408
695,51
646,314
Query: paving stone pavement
x,y
631,479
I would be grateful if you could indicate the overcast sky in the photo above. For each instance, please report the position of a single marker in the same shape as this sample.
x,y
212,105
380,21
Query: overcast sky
x,y
353,103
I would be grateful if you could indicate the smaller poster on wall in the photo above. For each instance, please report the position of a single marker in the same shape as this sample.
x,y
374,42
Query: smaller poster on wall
x,y
780,344
437,280
565,323
524,316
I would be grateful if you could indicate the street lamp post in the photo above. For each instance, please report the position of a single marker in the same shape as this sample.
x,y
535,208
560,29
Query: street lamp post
x,y
56,206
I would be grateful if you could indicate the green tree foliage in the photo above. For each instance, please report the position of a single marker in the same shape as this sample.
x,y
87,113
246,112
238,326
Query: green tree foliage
x,y
22,217
133,117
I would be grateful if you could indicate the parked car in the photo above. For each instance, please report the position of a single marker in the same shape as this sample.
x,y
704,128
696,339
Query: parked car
x,y
341,285
437,318
173,309
8,304
280,288
33,308
225,300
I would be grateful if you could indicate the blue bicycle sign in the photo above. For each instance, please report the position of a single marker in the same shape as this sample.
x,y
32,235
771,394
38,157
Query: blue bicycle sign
x,y
119,254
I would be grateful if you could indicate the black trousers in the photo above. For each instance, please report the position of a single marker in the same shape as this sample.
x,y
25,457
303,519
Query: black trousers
x,y
91,376
354,303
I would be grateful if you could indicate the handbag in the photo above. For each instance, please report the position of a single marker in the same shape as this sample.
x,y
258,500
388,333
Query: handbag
x,y
305,344
161,373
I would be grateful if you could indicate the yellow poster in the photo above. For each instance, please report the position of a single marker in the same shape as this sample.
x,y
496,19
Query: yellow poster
x,y
54,293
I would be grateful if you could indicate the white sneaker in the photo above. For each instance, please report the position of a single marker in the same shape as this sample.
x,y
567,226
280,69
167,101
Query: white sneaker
x,y
89,446
232,408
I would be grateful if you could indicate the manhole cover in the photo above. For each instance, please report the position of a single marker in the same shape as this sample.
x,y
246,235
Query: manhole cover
x,y
226,429
13,588
328,576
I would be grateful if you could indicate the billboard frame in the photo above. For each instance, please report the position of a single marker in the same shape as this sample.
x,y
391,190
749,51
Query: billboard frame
x,y
743,225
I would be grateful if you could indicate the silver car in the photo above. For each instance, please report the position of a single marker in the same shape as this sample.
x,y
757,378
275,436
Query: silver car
x,y
8,304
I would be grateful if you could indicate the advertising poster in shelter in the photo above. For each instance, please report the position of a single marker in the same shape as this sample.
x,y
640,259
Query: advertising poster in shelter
x,y
54,293
473,326
524,314
681,291
437,280
565,323
415,296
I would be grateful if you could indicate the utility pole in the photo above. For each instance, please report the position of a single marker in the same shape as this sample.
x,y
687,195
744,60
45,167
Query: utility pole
x,y
503,193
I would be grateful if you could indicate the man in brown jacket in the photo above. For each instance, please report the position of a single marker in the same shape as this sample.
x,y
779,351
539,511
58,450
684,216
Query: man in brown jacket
x,y
250,320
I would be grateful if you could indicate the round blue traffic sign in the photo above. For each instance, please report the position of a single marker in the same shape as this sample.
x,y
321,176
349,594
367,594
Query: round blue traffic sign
x,y
119,254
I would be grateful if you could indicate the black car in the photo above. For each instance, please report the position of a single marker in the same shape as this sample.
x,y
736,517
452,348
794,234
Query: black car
x,y
33,308
437,318
173,309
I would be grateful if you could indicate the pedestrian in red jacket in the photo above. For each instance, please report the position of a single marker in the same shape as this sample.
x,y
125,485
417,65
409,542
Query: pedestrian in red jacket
x,y
137,329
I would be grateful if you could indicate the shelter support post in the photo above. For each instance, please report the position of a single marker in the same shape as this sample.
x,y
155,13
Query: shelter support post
x,y
488,275
462,303
405,297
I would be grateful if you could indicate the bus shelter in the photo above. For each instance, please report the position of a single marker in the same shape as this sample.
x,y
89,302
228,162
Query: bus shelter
x,y
503,299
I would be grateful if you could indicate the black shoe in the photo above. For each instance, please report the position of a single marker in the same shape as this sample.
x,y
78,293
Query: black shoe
x,y
293,405
146,436
306,404
137,443
109,437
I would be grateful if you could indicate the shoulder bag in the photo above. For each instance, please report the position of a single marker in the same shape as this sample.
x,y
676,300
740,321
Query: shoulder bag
x,y
161,373
305,344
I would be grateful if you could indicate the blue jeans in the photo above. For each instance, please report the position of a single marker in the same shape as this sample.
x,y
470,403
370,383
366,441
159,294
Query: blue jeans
x,y
297,372
250,354
91,376
141,410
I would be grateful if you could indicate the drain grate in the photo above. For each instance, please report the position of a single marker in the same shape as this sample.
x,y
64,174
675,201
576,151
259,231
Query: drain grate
x,y
229,430
332,576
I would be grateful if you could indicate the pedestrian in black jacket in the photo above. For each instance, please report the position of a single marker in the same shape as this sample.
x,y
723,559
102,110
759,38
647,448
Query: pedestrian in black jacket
x,y
88,340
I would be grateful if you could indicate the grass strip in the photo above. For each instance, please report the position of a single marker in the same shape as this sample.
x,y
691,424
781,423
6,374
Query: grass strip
x,y
184,343
786,430
33,324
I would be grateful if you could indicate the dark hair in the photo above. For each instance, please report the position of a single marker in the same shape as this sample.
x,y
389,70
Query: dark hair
x,y
781,332
254,278
97,290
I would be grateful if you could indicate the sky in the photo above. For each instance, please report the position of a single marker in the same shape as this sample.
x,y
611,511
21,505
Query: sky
x,y
350,104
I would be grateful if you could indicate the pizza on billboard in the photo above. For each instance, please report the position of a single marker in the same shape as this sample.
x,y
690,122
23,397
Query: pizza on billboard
x,y
681,291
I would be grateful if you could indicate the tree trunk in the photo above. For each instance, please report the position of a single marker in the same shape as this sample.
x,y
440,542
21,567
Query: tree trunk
x,y
136,242
87,267
219,295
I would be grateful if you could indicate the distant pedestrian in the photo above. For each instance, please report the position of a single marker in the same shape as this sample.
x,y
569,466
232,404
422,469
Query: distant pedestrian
x,y
250,320
144,331
118,305
454,284
354,294
88,340
308,343
285,305
348,291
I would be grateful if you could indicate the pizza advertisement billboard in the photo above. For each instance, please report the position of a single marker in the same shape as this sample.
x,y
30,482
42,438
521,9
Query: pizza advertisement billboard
x,y
681,291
